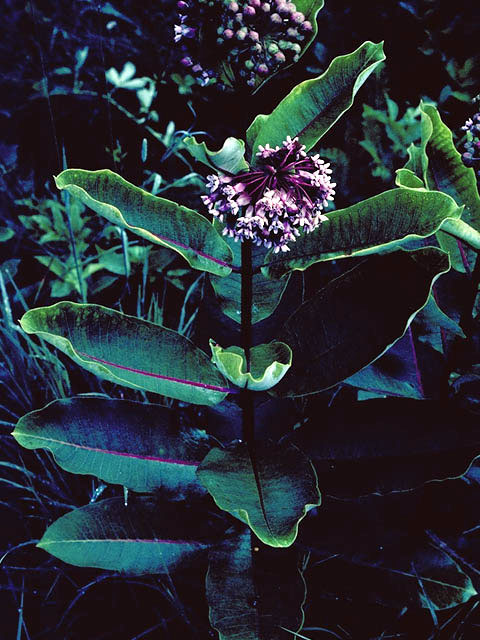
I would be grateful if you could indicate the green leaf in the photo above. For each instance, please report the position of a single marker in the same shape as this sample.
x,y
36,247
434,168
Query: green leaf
x,y
230,158
355,318
129,351
407,178
270,488
6,233
431,322
268,364
156,219
446,171
140,446
417,161
266,293
463,231
142,537
314,106
252,595
375,225
384,378
437,162
384,445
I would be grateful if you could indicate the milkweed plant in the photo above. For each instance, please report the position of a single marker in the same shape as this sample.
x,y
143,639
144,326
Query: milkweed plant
x,y
268,216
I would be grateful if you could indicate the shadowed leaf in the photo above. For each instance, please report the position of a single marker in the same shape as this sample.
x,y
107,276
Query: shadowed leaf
x,y
381,295
140,446
253,594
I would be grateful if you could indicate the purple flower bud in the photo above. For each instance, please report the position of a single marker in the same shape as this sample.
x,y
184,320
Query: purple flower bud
x,y
197,68
298,17
306,26
182,5
266,7
292,33
262,70
276,19
253,35
228,34
187,62
248,10
256,3
241,33
233,7
279,57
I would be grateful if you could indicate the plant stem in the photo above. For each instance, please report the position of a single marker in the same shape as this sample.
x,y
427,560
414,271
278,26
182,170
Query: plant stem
x,y
248,424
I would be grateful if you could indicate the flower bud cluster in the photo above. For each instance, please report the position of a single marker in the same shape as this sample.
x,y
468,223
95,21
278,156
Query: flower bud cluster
x,y
471,155
254,37
285,192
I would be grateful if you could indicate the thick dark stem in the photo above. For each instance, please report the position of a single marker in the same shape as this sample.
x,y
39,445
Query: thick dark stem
x,y
248,429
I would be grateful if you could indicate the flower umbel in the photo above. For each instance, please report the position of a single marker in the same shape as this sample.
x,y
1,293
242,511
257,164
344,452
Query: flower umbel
x,y
285,193
252,37
471,156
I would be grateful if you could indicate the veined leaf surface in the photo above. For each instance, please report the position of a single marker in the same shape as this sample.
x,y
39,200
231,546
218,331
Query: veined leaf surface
x,y
129,351
270,488
139,446
380,295
378,224
156,219
142,537
252,595
314,106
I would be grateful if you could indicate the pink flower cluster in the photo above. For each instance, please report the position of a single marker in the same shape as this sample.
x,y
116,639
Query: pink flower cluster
x,y
284,194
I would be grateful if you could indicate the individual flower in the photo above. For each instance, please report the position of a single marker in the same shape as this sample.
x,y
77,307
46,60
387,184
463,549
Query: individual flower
x,y
284,194
250,38
471,155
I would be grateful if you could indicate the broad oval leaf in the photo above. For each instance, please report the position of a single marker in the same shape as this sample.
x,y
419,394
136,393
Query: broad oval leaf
x,y
270,487
156,219
129,351
142,537
254,593
378,224
355,318
268,364
230,158
393,444
139,446
313,106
